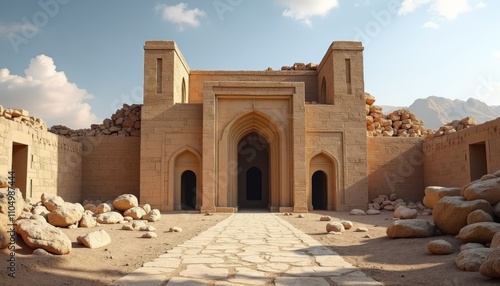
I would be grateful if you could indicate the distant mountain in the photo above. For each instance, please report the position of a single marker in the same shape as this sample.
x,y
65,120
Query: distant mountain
x,y
436,111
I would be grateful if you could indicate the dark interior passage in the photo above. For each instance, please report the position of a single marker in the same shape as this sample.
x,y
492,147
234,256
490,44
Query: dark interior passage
x,y
188,190
319,190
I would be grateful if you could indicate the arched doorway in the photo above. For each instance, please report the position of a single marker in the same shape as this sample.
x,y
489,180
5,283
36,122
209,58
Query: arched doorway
x,y
188,190
253,171
319,190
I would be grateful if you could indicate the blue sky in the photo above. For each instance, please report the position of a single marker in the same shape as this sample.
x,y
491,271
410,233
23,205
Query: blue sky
x,y
74,62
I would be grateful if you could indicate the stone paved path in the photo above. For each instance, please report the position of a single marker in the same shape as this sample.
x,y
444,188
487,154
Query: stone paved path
x,y
249,249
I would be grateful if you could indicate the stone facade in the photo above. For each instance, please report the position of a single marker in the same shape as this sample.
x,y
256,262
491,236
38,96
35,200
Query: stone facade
x,y
293,140
253,138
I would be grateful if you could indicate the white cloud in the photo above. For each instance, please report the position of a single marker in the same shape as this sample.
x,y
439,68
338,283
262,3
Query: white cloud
x,y
448,9
431,25
46,93
180,15
496,54
303,10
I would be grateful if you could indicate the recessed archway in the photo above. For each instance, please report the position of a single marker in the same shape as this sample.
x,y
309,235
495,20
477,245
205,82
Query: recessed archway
x,y
253,171
188,190
319,190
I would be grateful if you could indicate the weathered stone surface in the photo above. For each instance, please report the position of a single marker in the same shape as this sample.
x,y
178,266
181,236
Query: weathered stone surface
x,y
440,246
471,259
175,229
147,228
15,201
372,212
491,264
347,224
4,182
4,231
361,229
479,216
37,234
38,217
87,221
65,215
150,235
90,207
146,208
51,202
137,225
471,245
103,208
95,239
135,212
450,213
325,218
152,216
434,193
403,212
409,228
481,232
358,212
488,190
127,227
125,202
335,227
109,218
495,241
40,210
41,251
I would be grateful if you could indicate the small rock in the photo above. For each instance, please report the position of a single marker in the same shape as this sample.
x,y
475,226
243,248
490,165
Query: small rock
x,y
325,218
335,227
150,235
125,202
109,218
152,216
88,221
471,259
301,216
149,228
405,213
347,224
367,236
358,212
40,251
361,229
409,228
471,245
491,264
128,218
146,208
440,246
137,225
175,229
479,216
373,212
480,232
127,227
135,212
393,197
95,239
389,208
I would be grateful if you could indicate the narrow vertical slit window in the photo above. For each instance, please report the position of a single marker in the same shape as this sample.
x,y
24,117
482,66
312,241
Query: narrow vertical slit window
x,y
159,71
348,75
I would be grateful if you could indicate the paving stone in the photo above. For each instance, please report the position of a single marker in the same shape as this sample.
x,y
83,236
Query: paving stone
x,y
201,271
300,281
178,281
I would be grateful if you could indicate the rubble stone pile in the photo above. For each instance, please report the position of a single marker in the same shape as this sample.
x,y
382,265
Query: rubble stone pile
x,y
454,126
300,66
22,116
399,123
125,122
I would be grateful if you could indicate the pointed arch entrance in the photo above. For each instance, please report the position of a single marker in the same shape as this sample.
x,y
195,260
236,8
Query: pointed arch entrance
x,y
322,183
253,174
184,179
276,186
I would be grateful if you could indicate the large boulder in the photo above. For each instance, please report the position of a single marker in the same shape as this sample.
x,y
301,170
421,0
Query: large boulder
x,y
479,216
481,232
403,212
488,189
65,215
491,265
51,201
471,259
440,247
109,218
152,216
495,241
125,202
450,213
434,193
103,208
335,227
95,239
38,234
135,212
409,228
5,233
11,202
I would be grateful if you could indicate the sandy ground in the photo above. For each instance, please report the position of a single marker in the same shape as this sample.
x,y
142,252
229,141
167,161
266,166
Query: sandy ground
x,y
390,261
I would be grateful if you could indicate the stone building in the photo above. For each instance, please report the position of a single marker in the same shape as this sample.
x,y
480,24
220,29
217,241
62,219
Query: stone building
x,y
292,140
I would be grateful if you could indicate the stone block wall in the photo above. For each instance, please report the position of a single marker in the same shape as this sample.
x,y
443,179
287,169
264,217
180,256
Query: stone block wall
x,y
455,159
110,167
395,165
44,162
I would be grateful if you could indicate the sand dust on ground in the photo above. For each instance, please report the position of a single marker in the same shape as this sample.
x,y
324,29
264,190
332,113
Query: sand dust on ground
x,y
390,261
